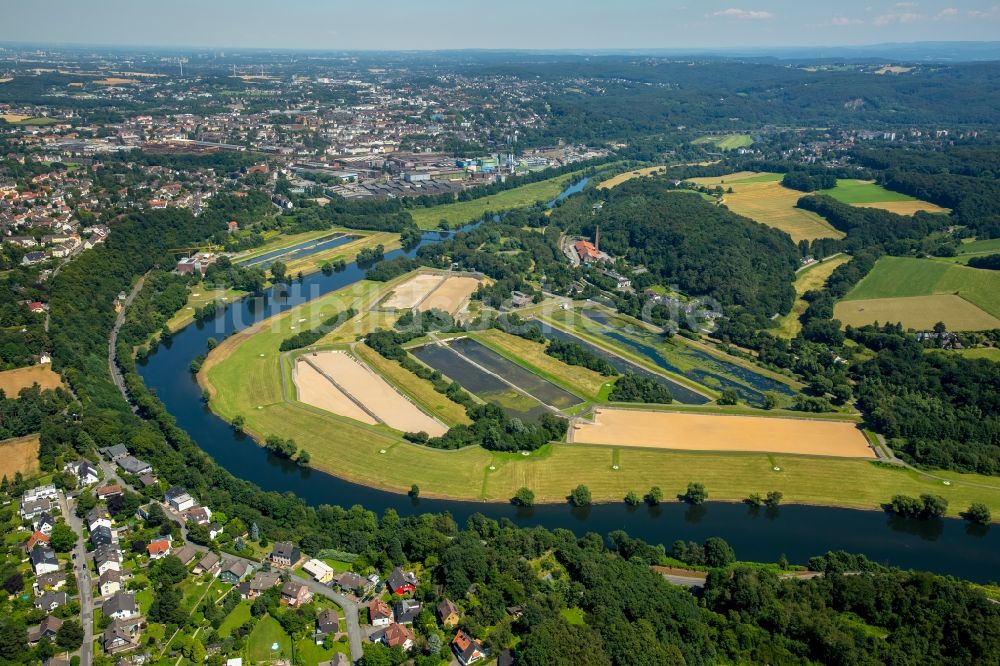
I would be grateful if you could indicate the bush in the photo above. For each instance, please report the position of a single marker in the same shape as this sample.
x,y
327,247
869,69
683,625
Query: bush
x,y
523,497
654,496
580,496
978,513
637,388
695,494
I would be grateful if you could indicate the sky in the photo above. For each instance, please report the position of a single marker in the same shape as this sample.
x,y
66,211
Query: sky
x,y
502,24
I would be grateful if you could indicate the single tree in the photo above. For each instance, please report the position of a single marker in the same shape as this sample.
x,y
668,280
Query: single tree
x,y
654,496
580,496
978,513
728,397
774,498
414,491
695,494
632,498
523,497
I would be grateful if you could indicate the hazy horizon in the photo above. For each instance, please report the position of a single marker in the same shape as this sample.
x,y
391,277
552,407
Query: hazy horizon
x,y
555,25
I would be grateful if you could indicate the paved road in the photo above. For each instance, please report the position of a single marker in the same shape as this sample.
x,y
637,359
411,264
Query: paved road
x,y
116,374
83,582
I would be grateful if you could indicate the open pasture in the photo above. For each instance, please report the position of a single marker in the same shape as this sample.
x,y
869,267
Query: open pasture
x,y
19,454
726,141
867,194
450,295
712,432
906,277
762,197
12,381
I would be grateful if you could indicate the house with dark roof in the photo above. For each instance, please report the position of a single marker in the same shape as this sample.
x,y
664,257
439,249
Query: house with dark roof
x,y
50,582
43,559
132,465
207,564
44,523
284,554
48,628
98,516
102,535
234,572
121,606
295,594
397,635
115,453
467,649
401,582
85,472
178,499
327,624
186,554
51,600
351,582
406,610
122,635
447,613
109,583
107,557
260,583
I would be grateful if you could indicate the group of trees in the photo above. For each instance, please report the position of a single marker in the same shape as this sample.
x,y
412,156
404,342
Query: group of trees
x,y
573,353
632,387
805,181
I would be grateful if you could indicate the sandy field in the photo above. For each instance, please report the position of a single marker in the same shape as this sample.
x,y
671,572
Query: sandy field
x,y
316,390
12,381
451,295
18,455
919,312
904,207
377,394
408,294
711,432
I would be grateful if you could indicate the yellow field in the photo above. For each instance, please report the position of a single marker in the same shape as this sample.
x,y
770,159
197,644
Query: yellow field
x,y
12,381
19,455
114,81
893,69
413,291
919,312
452,295
808,279
314,389
904,207
615,181
12,117
763,198
713,432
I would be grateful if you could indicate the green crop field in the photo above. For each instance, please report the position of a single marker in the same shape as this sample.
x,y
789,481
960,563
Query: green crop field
x,y
868,194
943,288
463,212
726,142
241,380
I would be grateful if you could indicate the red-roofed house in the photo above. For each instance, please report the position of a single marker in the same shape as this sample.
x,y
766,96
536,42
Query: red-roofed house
x,y
158,549
36,538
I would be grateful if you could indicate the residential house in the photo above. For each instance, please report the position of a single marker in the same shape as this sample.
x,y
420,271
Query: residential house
x,y
379,613
103,536
406,610
186,554
199,515
261,583
467,649
31,509
44,523
284,554
207,564
319,570
47,629
158,549
43,560
352,583
50,601
295,594
37,537
397,635
447,613
85,472
110,490
50,582
98,517
327,624
115,453
132,465
178,499
148,480
214,530
122,635
109,583
234,572
106,558
339,659
401,582
121,606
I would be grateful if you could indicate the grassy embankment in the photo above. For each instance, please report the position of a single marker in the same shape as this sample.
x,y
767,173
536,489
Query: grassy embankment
x,y
920,292
242,380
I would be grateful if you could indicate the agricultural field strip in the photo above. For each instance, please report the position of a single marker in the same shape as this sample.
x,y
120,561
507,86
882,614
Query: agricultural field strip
x,y
450,295
715,432
318,388
12,381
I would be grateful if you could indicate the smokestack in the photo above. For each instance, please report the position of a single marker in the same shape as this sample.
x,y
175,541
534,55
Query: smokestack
x,y
597,238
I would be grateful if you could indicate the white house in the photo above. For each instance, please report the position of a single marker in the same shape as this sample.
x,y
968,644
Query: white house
x,y
179,499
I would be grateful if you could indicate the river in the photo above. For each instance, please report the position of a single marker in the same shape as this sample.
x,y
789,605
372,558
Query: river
x,y
944,546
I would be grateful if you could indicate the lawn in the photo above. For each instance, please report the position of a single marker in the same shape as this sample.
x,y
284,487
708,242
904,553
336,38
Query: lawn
x,y
809,278
991,353
762,197
419,390
572,615
866,193
463,212
237,618
902,277
310,654
265,633
726,142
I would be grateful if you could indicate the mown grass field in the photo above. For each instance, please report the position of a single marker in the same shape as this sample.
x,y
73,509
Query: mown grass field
x,y
762,197
12,381
976,248
811,277
19,454
199,296
990,353
726,142
462,212
241,380
907,278
866,193
265,633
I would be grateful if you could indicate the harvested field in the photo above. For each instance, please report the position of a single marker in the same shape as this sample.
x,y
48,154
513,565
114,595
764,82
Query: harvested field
x,y
410,293
868,194
703,432
316,390
919,312
13,117
19,455
807,279
114,81
377,395
762,197
904,207
451,294
12,381
615,181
